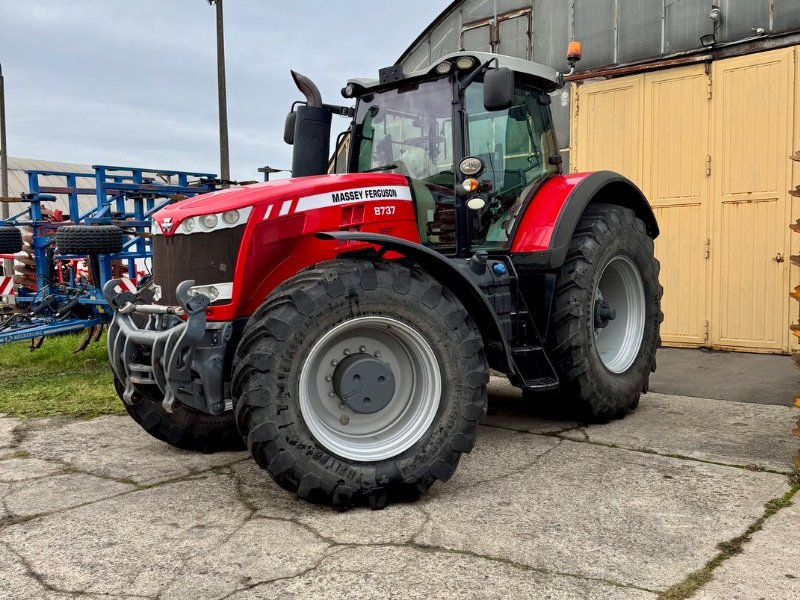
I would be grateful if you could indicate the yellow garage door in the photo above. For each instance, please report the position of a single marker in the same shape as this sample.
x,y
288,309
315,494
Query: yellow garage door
x,y
675,180
654,129
753,125
709,147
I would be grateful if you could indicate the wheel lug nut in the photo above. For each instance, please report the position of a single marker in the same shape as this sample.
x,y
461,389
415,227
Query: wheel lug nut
x,y
341,406
331,394
344,419
377,354
334,362
328,378
346,351
362,348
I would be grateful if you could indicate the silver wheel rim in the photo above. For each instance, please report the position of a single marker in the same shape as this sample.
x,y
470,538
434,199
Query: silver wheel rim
x,y
620,286
406,418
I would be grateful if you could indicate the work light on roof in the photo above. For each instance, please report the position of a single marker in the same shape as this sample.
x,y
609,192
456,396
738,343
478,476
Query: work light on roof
x,y
443,68
465,62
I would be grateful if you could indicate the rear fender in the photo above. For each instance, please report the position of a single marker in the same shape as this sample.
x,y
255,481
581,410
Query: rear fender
x,y
542,239
443,270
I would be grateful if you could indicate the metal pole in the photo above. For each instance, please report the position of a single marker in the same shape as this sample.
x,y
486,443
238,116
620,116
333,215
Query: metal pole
x,y
8,265
224,160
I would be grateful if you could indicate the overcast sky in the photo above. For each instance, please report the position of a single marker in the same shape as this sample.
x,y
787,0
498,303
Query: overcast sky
x,y
133,82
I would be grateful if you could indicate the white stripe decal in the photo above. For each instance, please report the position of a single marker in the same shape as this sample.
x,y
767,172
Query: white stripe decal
x,y
287,204
269,211
391,193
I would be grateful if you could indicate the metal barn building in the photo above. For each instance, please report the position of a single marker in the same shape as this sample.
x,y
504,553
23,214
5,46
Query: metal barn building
x,y
698,102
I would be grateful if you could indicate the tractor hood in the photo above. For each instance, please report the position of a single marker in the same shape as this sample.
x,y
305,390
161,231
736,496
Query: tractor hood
x,y
280,198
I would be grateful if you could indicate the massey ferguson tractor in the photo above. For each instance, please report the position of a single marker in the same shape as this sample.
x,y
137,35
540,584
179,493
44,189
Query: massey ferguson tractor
x,y
343,326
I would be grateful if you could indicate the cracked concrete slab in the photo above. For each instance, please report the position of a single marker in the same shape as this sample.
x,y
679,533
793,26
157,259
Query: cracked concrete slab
x,y
636,519
133,544
396,524
57,493
103,508
507,409
249,555
416,573
21,469
499,453
768,567
713,430
104,448
18,582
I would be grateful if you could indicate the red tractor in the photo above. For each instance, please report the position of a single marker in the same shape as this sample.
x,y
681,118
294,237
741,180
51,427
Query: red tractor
x,y
344,325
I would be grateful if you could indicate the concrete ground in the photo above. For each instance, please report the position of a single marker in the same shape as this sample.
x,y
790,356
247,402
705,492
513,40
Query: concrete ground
x,y
658,501
736,376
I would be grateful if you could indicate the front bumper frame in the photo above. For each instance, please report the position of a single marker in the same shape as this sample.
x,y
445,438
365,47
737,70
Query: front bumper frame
x,y
152,345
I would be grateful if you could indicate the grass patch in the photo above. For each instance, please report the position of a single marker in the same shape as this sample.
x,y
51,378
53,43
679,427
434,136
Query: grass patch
x,y
689,586
54,381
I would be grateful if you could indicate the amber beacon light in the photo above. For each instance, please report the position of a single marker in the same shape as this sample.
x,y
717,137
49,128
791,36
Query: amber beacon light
x,y
574,51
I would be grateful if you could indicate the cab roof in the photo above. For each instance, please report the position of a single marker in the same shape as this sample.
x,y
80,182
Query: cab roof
x,y
545,76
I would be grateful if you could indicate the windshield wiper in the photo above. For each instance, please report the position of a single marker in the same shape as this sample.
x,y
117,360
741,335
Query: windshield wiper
x,y
381,168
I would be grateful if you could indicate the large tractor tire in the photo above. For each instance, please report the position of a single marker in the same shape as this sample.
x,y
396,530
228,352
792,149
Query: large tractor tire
x,y
360,383
89,239
10,240
604,326
184,428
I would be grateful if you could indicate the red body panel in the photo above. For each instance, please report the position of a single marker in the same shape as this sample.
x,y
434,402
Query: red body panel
x,y
279,236
536,227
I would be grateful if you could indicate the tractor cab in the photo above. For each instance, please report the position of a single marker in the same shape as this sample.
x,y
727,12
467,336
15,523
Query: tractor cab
x,y
472,134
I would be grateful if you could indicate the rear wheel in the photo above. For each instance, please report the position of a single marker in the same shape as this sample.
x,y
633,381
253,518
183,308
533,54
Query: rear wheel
x,y
604,327
184,428
360,382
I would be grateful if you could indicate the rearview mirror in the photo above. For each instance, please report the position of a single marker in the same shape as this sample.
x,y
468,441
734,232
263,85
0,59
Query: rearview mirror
x,y
498,89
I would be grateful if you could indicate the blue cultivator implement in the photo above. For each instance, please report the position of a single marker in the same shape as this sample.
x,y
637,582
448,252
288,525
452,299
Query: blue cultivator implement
x,y
75,257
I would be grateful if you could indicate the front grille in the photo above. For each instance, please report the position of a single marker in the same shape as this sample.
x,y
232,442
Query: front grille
x,y
205,257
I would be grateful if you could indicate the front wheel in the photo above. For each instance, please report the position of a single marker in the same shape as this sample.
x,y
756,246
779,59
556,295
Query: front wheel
x,y
360,382
184,427
604,327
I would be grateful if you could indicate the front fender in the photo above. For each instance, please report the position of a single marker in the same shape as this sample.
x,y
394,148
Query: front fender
x,y
546,228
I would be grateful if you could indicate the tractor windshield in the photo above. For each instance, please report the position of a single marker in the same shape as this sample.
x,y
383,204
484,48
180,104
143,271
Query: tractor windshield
x,y
409,130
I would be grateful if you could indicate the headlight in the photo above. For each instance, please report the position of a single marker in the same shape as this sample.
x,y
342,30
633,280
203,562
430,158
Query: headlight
x,y
231,217
209,221
214,221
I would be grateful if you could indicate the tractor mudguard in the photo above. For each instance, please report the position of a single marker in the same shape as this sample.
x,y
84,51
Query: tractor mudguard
x,y
545,230
446,272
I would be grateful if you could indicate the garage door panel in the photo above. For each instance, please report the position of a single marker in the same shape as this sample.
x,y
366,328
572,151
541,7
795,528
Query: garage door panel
x,y
609,127
680,250
676,146
753,138
676,135
748,164
748,274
